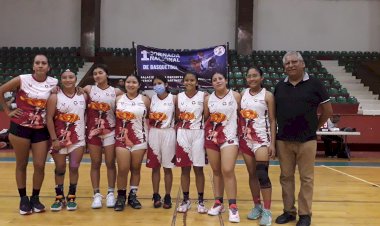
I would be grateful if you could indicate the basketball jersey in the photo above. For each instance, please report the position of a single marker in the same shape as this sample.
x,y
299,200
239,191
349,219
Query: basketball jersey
x,y
162,112
191,111
31,98
130,117
221,125
70,116
254,117
101,106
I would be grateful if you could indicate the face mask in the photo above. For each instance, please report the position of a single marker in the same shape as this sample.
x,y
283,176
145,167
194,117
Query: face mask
x,y
159,89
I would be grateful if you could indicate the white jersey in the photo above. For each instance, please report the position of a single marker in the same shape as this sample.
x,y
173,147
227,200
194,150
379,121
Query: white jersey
x,y
32,98
162,112
223,117
254,114
101,106
191,111
131,115
70,117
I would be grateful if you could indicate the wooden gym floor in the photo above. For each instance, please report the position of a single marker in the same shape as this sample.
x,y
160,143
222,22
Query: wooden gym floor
x,y
346,193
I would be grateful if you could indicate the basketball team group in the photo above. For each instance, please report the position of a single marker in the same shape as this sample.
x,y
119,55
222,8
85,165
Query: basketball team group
x,y
185,130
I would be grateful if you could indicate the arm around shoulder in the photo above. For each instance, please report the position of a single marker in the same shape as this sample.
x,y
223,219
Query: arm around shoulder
x,y
146,101
118,92
87,89
206,111
237,97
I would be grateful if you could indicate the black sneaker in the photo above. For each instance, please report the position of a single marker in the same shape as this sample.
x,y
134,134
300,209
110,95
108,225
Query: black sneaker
x,y
25,207
133,201
157,201
120,203
36,205
304,220
167,202
285,218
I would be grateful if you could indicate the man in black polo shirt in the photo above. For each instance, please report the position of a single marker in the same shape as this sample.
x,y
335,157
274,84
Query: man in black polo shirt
x,y
297,99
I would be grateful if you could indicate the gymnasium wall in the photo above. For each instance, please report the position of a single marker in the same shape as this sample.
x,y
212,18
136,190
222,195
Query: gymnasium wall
x,y
168,23
279,24
40,22
317,25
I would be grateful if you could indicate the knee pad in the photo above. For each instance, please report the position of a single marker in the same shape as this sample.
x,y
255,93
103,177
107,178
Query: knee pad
x,y
262,174
58,173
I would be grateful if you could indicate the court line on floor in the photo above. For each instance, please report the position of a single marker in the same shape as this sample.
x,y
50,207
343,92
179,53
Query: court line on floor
x,y
174,218
221,222
349,175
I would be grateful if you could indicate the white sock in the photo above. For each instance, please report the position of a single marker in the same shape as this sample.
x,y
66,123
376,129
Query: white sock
x,y
134,188
110,190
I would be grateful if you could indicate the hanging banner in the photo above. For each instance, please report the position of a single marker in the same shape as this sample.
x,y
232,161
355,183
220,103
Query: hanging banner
x,y
174,64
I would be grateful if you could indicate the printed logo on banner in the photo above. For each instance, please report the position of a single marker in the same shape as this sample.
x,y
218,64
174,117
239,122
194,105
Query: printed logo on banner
x,y
174,64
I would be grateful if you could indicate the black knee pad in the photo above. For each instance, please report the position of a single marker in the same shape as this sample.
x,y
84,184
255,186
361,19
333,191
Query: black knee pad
x,y
262,174
61,174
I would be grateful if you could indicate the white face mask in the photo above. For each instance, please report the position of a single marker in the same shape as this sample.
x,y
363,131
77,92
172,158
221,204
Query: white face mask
x,y
159,89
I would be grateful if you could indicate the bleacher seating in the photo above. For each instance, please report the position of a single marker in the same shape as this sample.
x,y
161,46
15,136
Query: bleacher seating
x,y
103,51
270,62
18,60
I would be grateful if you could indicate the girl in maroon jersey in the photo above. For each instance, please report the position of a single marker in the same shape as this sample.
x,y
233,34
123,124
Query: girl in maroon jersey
x,y
100,132
28,128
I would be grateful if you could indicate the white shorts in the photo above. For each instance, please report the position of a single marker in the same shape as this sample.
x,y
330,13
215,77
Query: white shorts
x,y
139,147
161,148
108,139
190,147
71,148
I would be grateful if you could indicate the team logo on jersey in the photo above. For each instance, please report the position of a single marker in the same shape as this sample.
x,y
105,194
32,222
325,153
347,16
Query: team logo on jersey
x,y
193,102
224,103
46,86
179,160
75,102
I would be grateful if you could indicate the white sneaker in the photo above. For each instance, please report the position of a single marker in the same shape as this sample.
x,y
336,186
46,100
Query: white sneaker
x,y
97,202
266,218
233,215
184,206
201,208
111,200
216,209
